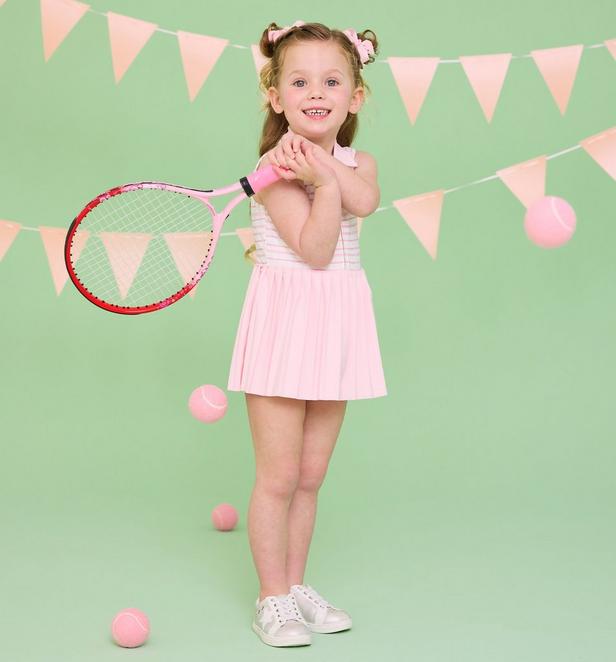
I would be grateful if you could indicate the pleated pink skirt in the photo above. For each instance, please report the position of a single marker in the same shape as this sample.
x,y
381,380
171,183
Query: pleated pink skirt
x,y
307,334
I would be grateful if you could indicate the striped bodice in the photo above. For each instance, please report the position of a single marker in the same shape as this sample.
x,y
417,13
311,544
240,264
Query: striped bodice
x,y
271,249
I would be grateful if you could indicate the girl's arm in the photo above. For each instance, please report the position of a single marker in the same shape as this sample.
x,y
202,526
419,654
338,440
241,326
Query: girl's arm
x,y
310,229
359,188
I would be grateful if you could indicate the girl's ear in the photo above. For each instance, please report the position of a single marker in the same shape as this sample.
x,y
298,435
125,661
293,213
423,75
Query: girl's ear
x,y
357,100
274,99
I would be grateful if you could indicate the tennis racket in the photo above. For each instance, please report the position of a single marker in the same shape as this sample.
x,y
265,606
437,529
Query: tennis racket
x,y
140,247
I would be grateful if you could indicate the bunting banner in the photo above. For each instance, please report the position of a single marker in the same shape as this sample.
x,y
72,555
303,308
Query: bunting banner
x,y
413,76
421,212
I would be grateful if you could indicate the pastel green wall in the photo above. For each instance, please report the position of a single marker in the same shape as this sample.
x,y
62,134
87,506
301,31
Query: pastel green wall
x,y
466,516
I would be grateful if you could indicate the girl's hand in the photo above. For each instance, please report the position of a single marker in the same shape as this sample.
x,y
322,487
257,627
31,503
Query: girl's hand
x,y
284,154
307,167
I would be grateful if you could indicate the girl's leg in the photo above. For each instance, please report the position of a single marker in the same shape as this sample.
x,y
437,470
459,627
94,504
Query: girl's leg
x,y
276,424
321,428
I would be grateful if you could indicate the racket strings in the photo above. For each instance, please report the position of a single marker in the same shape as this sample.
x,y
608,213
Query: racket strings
x,y
141,246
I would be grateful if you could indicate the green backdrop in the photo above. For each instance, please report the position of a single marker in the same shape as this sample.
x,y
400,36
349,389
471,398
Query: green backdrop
x,y
467,516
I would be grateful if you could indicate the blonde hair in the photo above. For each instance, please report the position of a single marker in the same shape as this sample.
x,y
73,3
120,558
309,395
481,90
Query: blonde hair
x,y
275,125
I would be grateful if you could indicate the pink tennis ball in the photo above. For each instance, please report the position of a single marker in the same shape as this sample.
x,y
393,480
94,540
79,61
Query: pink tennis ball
x,y
130,628
208,403
224,517
550,221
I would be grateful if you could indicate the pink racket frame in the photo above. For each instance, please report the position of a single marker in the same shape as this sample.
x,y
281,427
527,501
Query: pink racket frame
x,y
251,184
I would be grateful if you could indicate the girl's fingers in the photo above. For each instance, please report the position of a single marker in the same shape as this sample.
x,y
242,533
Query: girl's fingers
x,y
281,156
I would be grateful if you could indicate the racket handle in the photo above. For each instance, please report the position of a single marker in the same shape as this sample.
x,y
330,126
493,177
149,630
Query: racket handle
x,y
259,179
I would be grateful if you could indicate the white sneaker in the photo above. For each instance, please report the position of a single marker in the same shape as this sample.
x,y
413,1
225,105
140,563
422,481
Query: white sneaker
x,y
319,615
279,622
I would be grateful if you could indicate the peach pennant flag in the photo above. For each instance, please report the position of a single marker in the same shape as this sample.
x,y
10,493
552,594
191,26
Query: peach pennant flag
x,y
413,76
422,214
525,180
78,244
125,251
258,58
486,74
559,66
602,148
53,241
246,236
8,232
611,46
199,55
58,18
188,249
127,36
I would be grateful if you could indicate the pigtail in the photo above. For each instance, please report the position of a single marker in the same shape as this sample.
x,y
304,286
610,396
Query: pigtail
x,y
371,37
266,46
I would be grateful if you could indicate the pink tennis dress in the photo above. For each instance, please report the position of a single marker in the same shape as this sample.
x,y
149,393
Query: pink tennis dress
x,y
303,332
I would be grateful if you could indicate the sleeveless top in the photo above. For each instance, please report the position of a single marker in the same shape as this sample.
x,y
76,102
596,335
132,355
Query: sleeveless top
x,y
271,248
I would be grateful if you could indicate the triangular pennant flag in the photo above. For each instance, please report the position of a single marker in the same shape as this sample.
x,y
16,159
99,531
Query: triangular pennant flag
x,y
189,249
199,55
125,251
422,214
486,74
247,238
413,76
53,241
58,18
559,66
526,180
8,232
127,36
611,46
602,148
257,57
78,244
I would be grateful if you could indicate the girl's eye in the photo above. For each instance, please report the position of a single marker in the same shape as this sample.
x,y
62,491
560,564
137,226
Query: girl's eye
x,y
301,80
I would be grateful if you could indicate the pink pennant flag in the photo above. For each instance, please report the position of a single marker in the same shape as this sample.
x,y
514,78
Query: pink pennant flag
x,y
8,232
80,239
413,76
125,251
559,66
127,36
525,180
247,236
486,74
602,148
257,57
53,241
199,55
189,249
422,214
611,46
58,18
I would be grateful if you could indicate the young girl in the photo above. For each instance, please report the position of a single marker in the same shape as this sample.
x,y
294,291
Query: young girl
x,y
307,339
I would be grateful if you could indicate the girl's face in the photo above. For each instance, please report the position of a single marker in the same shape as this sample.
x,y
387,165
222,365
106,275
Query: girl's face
x,y
316,74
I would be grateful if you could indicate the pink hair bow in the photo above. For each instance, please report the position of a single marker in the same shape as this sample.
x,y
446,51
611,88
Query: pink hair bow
x,y
274,35
364,48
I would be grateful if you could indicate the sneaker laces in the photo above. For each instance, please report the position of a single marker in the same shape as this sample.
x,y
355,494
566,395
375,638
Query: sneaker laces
x,y
315,597
288,609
